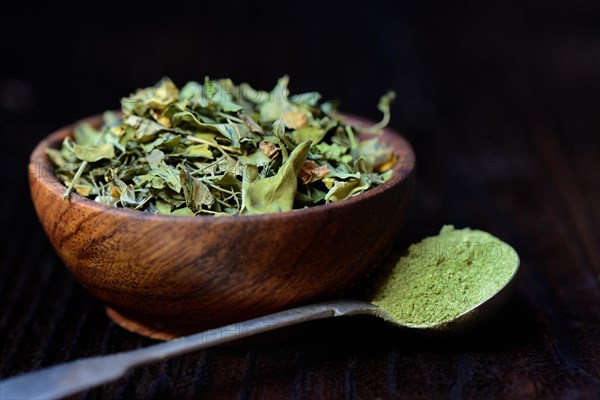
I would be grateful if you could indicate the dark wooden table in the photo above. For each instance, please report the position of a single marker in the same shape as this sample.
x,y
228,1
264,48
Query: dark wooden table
x,y
506,127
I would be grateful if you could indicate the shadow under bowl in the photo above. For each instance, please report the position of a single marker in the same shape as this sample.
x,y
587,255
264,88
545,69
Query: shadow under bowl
x,y
167,276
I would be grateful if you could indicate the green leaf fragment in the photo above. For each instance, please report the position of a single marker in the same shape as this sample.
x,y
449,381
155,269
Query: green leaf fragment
x,y
276,103
384,106
56,157
86,135
169,175
185,211
374,153
198,150
127,194
163,207
146,129
228,181
276,193
197,194
311,133
93,154
155,158
341,190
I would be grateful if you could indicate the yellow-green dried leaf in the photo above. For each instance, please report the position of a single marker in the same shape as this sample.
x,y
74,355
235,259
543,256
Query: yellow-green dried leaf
x,y
93,154
199,150
341,190
308,133
185,212
276,193
86,135
56,157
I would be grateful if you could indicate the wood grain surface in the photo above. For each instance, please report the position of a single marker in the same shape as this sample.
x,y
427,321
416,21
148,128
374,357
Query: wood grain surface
x,y
500,101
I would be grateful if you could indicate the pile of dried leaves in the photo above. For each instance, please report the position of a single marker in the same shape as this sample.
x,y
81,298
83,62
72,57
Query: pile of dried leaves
x,y
220,149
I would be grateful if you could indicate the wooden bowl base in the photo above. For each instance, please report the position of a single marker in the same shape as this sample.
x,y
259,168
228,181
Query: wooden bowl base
x,y
138,327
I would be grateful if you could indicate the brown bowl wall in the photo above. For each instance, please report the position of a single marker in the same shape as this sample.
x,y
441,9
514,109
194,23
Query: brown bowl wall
x,y
165,276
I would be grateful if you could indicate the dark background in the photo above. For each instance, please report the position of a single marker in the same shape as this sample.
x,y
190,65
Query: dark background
x,y
500,101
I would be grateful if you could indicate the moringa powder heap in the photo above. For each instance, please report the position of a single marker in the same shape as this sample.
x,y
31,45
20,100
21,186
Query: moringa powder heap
x,y
444,276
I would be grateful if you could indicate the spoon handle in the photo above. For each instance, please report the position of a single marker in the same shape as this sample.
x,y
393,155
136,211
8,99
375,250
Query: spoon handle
x,y
72,377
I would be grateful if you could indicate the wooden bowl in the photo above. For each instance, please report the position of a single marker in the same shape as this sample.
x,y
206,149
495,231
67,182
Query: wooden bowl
x,y
164,276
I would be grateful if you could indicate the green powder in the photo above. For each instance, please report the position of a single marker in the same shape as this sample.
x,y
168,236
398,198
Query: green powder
x,y
444,276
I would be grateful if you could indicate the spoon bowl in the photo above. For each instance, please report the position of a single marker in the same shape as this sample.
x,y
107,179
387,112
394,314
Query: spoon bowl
x,y
468,318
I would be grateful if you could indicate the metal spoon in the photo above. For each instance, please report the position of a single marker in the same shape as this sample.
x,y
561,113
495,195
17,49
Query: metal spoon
x,y
75,376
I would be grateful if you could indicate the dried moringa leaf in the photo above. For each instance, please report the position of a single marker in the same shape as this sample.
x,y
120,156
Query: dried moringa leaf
x,y
276,193
198,150
344,189
85,135
374,153
169,175
293,119
384,107
269,149
92,154
312,133
155,158
145,129
197,194
214,148
311,172
251,124
56,157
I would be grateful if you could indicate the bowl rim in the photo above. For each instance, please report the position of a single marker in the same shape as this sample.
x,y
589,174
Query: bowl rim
x,y
42,171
